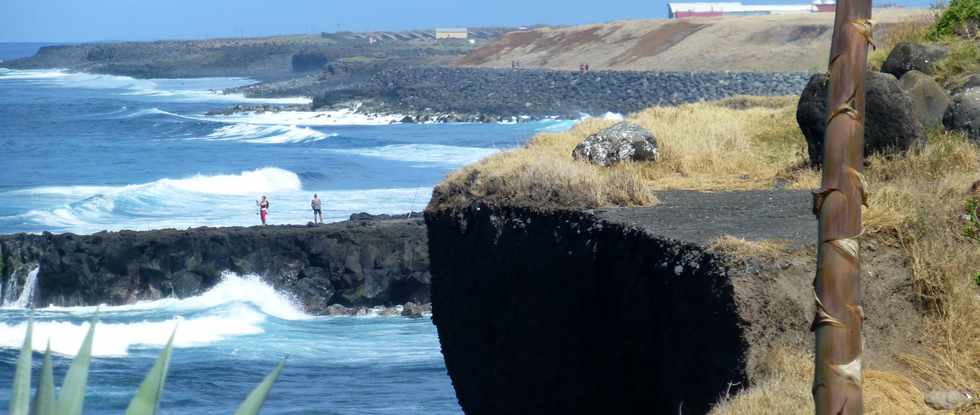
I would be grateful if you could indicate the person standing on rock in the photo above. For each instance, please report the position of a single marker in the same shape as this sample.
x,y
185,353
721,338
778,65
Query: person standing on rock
x,y
317,213
263,208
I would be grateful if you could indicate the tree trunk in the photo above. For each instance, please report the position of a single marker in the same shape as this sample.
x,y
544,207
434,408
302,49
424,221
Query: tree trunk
x,y
837,204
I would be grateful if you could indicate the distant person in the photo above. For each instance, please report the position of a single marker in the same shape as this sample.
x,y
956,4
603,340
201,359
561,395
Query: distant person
x,y
317,213
263,208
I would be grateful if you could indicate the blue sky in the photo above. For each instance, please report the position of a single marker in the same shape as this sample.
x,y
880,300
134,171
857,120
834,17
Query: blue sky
x,y
92,20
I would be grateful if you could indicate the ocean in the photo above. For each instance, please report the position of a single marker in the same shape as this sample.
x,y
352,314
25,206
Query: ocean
x,y
84,153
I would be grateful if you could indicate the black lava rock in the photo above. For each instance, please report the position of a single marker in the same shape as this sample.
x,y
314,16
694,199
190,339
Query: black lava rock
x,y
890,124
964,113
913,56
623,141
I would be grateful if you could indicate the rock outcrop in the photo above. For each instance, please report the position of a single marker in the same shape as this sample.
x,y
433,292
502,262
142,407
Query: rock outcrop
x,y
890,123
623,141
963,113
360,263
626,310
907,56
929,99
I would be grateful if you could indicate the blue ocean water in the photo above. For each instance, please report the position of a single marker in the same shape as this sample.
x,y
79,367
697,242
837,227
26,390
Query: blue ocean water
x,y
83,153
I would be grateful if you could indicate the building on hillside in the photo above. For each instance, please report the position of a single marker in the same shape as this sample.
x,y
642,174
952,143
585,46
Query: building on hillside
x,y
452,33
704,9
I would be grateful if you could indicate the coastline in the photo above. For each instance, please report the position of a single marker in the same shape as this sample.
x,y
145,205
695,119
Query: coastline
x,y
368,265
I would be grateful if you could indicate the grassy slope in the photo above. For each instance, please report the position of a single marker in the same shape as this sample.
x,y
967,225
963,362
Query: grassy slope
x,y
752,43
916,206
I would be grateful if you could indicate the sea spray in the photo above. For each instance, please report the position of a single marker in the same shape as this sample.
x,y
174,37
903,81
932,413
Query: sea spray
x,y
236,306
15,297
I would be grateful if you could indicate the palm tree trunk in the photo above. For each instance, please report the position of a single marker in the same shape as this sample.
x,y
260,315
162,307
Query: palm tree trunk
x,y
837,204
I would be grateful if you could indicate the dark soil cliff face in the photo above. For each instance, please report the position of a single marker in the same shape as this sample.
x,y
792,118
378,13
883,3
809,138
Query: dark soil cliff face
x,y
355,263
558,312
635,310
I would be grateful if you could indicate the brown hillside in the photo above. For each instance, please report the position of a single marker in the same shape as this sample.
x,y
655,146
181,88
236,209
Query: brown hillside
x,y
751,43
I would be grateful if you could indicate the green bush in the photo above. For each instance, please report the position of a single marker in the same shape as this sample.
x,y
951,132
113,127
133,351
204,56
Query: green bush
x,y
971,229
71,399
962,18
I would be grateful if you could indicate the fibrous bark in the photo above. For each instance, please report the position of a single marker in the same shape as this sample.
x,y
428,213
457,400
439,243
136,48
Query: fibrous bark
x,y
837,204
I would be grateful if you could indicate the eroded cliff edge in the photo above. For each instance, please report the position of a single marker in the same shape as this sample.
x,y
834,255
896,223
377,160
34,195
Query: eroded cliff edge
x,y
629,310
360,263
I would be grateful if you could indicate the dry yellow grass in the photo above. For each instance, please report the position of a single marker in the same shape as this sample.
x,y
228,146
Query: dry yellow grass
x,y
916,204
703,146
543,174
787,391
743,248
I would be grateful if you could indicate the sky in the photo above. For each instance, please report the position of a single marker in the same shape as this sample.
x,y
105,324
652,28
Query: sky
x,y
100,20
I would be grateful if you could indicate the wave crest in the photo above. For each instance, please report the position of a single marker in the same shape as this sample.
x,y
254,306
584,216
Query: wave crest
x,y
267,134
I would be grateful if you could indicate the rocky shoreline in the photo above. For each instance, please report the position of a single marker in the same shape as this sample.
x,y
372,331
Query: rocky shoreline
x,y
425,94
431,94
369,265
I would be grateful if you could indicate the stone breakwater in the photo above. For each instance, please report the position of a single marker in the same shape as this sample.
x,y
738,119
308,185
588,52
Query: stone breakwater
x,y
476,94
365,265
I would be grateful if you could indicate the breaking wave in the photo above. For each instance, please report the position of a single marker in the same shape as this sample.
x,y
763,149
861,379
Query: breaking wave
x,y
237,306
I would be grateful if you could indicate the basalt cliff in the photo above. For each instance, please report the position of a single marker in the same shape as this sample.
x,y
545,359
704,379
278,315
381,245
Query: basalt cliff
x,y
364,262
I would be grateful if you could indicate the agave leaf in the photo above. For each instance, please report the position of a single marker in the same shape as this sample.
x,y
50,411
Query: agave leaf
x,y
44,397
147,398
20,395
254,402
71,399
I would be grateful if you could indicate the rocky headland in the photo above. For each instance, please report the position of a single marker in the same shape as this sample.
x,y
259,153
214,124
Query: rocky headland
x,y
366,265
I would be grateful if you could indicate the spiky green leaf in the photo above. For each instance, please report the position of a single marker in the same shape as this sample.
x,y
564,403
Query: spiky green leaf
x,y
147,399
71,399
44,397
254,402
20,395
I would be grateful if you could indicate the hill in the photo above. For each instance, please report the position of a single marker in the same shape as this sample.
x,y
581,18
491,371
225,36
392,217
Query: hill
x,y
746,43
266,58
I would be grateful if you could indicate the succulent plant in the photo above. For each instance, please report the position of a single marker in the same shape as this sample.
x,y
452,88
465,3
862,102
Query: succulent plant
x,y
71,399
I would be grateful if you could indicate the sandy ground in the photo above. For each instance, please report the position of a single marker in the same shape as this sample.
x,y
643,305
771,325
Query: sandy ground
x,y
749,43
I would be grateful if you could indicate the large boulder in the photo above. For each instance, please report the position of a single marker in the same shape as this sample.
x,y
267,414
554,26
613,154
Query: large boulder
x,y
964,113
913,56
624,141
929,100
890,124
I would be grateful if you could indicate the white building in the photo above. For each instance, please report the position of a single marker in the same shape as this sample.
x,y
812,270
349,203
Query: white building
x,y
706,9
452,33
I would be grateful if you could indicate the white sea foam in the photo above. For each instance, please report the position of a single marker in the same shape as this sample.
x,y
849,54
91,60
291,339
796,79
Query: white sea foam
x,y
237,306
423,153
267,134
186,90
304,118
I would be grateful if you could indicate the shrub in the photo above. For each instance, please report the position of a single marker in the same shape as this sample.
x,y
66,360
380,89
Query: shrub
x,y
71,399
961,18
971,229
